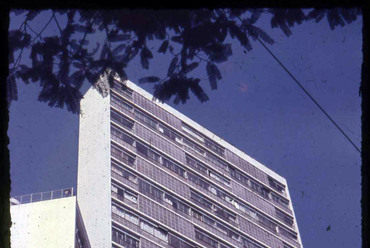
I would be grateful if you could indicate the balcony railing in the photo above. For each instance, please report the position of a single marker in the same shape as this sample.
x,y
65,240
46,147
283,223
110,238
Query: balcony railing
x,y
42,196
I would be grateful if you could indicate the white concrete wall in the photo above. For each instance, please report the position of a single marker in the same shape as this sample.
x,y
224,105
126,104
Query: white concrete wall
x,y
93,182
49,223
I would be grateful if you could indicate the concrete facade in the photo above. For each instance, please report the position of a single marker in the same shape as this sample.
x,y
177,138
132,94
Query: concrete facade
x,y
93,181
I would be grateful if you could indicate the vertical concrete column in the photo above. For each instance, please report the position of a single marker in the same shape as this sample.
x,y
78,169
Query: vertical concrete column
x,y
93,182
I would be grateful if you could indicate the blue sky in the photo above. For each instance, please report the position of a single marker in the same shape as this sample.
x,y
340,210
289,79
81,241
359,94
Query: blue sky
x,y
259,109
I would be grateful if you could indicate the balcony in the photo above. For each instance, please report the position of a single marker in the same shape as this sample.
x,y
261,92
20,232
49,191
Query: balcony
x,y
42,196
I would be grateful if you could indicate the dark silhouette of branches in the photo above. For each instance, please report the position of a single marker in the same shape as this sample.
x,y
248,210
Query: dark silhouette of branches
x,y
61,63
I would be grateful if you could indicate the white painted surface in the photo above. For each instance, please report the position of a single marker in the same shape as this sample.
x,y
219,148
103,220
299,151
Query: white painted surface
x,y
49,223
93,182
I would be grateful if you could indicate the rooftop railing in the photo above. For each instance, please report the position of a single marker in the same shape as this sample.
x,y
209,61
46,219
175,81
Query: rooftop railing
x,y
42,196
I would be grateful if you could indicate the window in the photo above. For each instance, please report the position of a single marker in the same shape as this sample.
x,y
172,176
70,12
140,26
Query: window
x,y
173,166
122,120
122,155
130,197
285,245
217,161
250,244
125,239
177,242
284,202
169,133
144,118
266,222
200,200
233,235
280,200
123,89
287,233
147,227
121,104
196,214
119,136
220,193
206,239
214,147
150,190
219,178
222,228
132,218
284,217
141,148
198,180
118,173
261,190
183,207
160,233
239,176
225,246
208,220
192,145
249,211
147,152
213,190
194,133
129,176
196,165
255,187
265,192
175,203
224,214
276,185
170,200
117,170
123,193
125,215
154,156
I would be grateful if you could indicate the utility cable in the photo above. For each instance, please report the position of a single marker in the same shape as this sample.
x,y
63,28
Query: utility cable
x,y
309,95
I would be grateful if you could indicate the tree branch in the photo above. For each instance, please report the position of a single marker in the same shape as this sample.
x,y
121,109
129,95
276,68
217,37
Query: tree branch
x,y
56,21
38,35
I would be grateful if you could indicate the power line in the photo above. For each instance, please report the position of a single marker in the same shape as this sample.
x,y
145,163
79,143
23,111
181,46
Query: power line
x,y
308,94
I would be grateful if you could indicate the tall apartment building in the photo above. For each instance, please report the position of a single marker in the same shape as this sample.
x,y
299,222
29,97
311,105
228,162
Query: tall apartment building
x,y
150,177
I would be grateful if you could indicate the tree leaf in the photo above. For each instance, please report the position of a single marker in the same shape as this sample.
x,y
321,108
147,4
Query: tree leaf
x,y
172,66
177,39
256,14
235,31
18,11
216,71
104,51
120,37
211,76
163,47
198,91
82,28
145,55
191,67
77,78
170,48
12,90
118,49
152,79
32,14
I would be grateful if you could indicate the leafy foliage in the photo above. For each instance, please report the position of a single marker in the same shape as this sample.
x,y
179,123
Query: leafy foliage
x,y
61,63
